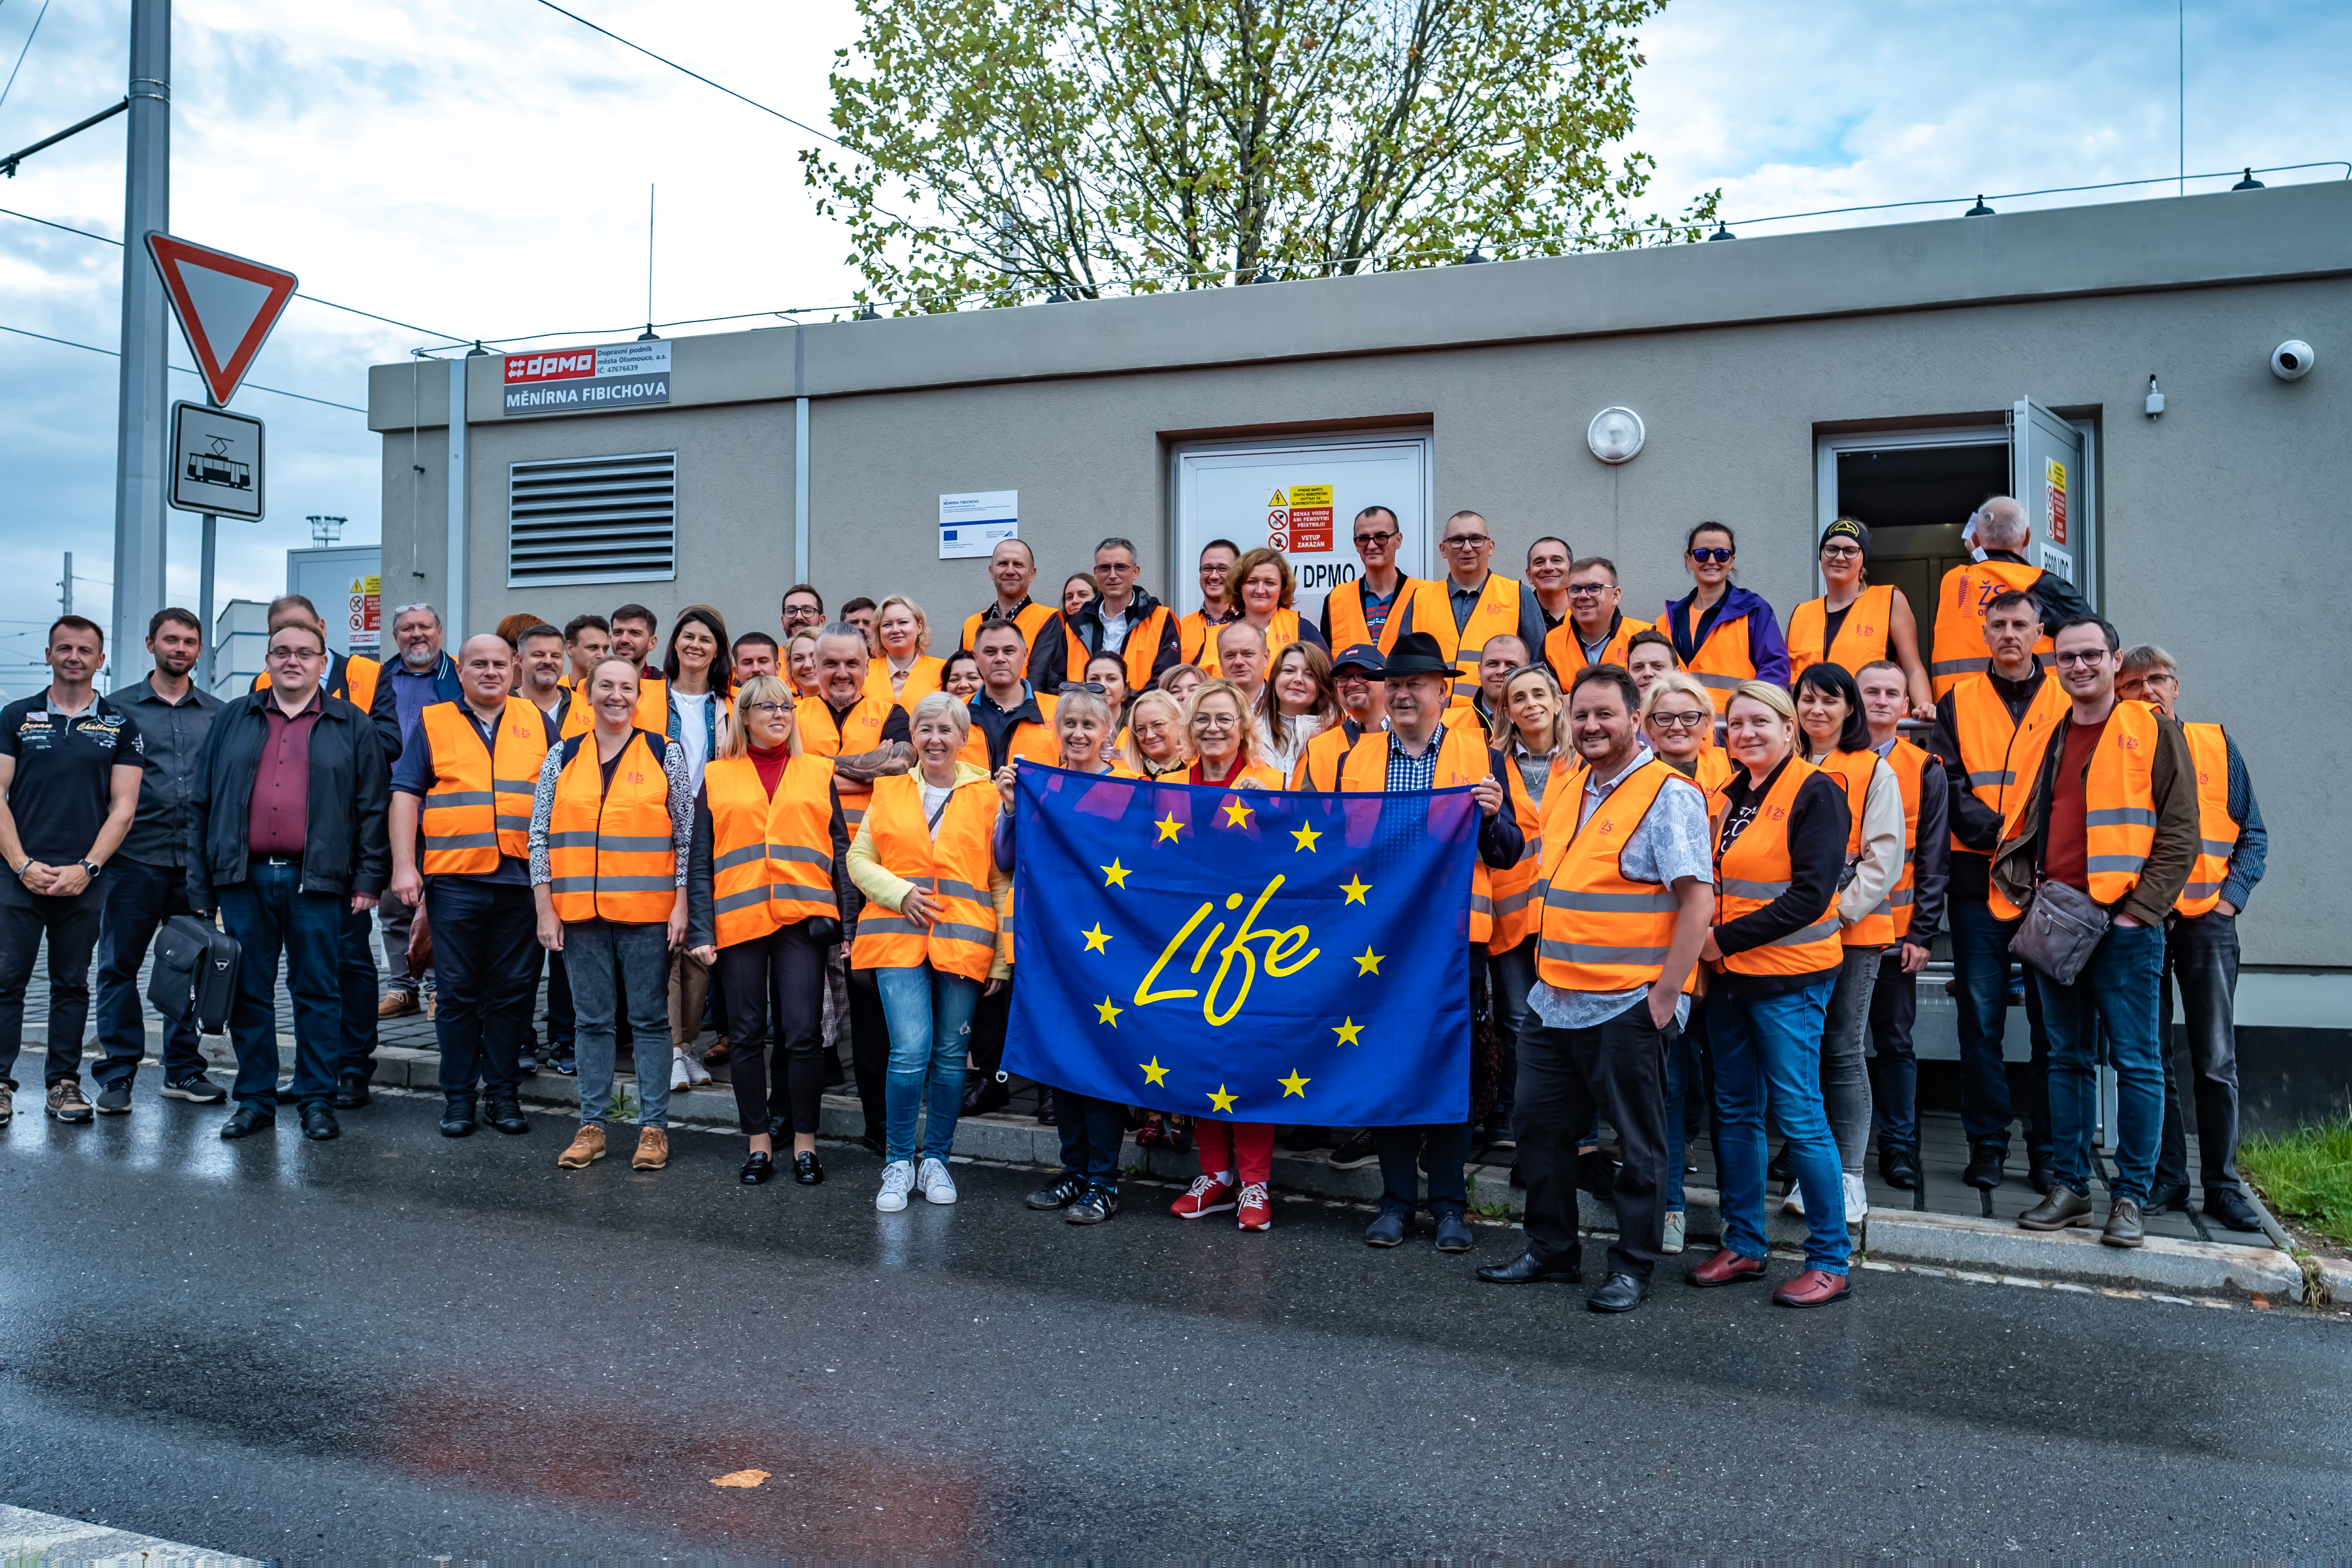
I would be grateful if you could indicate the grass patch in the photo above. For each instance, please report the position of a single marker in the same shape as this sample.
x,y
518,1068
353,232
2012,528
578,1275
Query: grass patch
x,y
2307,1174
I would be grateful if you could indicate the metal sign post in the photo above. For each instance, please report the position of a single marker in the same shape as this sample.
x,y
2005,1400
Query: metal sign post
x,y
139,479
216,466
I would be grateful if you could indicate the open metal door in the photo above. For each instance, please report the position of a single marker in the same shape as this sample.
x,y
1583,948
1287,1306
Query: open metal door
x,y
2049,472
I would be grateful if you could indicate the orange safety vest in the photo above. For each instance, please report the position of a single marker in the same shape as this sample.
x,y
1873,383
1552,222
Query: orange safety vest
x,y
1138,652
1320,764
770,858
1602,930
1496,613
2217,830
1281,631
922,679
1992,747
652,715
1031,620
952,867
1195,634
479,807
1861,636
1910,763
1723,661
1853,770
1565,653
1960,604
1040,742
1351,628
1757,869
1461,759
1518,891
357,674
612,856
2118,805
854,736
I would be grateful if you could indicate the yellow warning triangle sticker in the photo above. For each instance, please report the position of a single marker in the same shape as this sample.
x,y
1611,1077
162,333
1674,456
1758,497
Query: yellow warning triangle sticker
x,y
1276,500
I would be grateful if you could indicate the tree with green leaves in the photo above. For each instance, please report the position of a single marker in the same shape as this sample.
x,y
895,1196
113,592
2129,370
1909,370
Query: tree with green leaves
x,y
1000,151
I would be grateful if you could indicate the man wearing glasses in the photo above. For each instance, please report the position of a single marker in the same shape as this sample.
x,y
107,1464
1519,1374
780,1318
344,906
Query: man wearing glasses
x,y
1195,634
1484,603
1368,611
1124,620
1597,630
287,837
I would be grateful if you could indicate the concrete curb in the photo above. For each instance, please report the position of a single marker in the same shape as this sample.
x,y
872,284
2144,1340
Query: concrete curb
x,y
1994,1247
2334,1280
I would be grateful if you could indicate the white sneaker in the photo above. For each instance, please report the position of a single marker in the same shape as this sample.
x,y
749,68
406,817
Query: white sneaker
x,y
932,1178
898,1180
1858,1200
695,1071
680,1075
1674,1233
1795,1202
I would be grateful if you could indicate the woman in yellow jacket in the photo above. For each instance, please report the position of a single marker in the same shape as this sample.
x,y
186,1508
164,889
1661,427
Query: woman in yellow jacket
x,y
922,857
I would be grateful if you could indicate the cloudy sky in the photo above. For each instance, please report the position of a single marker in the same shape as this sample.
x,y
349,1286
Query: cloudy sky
x,y
481,169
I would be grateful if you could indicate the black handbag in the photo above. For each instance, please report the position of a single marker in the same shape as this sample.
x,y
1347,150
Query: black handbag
x,y
194,977
2061,928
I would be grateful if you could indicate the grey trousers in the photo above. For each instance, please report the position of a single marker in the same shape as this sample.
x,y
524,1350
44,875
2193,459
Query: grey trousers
x,y
1845,1076
593,952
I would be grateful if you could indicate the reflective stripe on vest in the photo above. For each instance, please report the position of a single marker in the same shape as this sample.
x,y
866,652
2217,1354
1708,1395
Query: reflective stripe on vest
x,y
1518,898
953,868
2119,806
1996,750
479,807
1910,764
1565,652
1602,930
770,859
611,855
1757,869
1967,589
2217,830
1862,636
1496,613
1461,759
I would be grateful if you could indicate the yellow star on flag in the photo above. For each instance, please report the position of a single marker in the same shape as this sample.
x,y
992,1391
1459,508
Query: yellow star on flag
x,y
1367,961
1220,1099
1294,1084
1355,887
1096,939
1348,1032
1113,875
1154,1073
1307,838
1236,814
1169,828
1106,1013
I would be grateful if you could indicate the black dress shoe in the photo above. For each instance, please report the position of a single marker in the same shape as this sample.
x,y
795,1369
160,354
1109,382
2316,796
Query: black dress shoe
x,y
504,1113
457,1119
1984,1161
319,1124
1899,1164
758,1169
1060,1193
247,1121
1618,1293
985,1096
1528,1269
1048,1112
351,1092
806,1171
2040,1173
2231,1206
2169,1195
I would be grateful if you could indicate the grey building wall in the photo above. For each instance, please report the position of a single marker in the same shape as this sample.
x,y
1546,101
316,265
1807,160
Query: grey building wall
x,y
2216,519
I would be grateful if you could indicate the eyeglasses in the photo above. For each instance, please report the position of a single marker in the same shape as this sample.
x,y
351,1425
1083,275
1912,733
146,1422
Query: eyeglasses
x,y
767,707
1710,553
304,653
1113,571
2097,656
1466,541
1214,720
1839,551
1680,721
1588,590
1096,687
1367,541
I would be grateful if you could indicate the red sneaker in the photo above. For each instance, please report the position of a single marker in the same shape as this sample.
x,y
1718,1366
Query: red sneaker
x,y
1207,1195
1256,1208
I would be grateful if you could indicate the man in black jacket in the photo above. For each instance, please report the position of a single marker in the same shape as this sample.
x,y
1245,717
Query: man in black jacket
x,y
286,837
1124,620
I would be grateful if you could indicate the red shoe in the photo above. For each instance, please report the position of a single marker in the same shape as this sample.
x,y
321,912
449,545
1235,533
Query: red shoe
x,y
1726,1268
1813,1288
1148,1135
1207,1195
1258,1209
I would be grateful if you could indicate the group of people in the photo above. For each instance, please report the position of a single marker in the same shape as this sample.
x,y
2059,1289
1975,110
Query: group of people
x,y
1713,856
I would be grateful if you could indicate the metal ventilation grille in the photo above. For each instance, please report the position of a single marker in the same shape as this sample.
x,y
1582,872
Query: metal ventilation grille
x,y
593,519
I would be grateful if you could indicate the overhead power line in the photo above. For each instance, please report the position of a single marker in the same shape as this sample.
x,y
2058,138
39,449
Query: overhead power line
x,y
183,370
698,75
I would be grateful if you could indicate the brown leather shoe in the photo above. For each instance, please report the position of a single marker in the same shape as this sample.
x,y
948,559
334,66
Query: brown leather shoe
x,y
587,1147
1726,1268
398,1003
652,1150
65,1102
2062,1207
718,1053
2123,1228
1813,1288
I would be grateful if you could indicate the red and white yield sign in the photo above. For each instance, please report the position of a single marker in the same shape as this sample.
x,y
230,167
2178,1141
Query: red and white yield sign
x,y
226,306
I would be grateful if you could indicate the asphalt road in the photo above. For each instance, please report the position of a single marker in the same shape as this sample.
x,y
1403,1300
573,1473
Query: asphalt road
x,y
394,1344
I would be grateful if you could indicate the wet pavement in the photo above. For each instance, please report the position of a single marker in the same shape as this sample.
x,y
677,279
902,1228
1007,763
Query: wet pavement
x,y
399,1345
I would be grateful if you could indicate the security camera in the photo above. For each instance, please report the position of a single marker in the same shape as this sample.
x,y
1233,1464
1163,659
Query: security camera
x,y
2292,360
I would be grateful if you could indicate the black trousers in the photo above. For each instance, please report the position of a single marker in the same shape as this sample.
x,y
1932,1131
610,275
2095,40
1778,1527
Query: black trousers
x,y
71,925
1617,1069
2202,954
788,969
990,1019
1895,1065
486,956
869,1048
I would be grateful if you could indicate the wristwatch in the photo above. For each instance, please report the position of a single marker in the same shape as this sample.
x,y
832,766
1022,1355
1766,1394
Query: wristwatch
x,y
88,866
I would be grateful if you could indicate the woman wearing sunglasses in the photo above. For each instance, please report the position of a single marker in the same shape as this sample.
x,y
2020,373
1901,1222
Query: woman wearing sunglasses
x,y
1857,622
1722,634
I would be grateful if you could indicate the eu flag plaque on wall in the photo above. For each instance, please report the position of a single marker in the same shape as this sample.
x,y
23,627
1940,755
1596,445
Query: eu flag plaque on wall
x,y
1249,955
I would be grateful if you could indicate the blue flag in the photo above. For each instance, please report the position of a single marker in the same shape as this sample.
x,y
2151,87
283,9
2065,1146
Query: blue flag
x,y
1249,954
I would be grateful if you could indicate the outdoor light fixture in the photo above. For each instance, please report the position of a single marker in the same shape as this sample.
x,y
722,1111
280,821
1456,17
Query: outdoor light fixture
x,y
1476,256
2155,398
1616,434
649,335
1979,210
1722,231
2247,183
867,313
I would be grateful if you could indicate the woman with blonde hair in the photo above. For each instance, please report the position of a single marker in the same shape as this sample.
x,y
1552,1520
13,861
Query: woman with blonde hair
x,y
761,911
1222,742
1297,702
1182,680
906,673
1531,730
1678,720
800,664
1153,743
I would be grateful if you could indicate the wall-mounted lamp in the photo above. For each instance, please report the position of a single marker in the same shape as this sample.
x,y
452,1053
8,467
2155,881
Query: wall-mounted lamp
x,y
1616,434
2155,398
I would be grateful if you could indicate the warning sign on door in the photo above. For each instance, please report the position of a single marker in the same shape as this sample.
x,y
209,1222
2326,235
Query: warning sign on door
x,y
367,626
2056,476
1298,519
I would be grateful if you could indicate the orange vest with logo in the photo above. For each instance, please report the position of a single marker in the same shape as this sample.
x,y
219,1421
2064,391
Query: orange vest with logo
x,y
1032,621
1565,653
1602,930
1461,759
1994,750
859,732
1862,636
1495,615
1853,770
612,855
479,805
953,867
1137,654
1281,631
2217,830
1757,869
2118,805
770,858
1960,606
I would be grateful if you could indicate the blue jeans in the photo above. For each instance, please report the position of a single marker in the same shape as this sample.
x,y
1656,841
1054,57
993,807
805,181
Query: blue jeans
x,y
2118,989
931,1026
1772,1045
606,961
1093,1132
269,913
139,899
1981,962
359,997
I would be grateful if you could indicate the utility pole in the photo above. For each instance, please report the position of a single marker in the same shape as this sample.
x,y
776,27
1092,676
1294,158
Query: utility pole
x,y
65,584
140,483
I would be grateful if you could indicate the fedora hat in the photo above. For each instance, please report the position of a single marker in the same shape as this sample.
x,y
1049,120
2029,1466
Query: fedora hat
x,y
1417,653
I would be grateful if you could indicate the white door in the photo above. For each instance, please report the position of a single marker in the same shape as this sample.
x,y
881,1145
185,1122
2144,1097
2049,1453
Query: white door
x,y
2050,473
1300,498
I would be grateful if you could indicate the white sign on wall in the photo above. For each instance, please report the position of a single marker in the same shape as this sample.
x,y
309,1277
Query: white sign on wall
x,y
973,522
1301,499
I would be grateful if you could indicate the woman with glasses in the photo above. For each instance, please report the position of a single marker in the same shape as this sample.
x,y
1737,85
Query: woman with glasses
x,y
1266,590
1857,622
1837,741
960,675
760,910
1531,730
1781,827
1297,702
906,668
1153,744
698,672
1721,633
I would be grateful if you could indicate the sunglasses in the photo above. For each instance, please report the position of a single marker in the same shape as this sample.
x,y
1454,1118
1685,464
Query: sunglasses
x,y
1096,687
1364,540
1710,553
1464,540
